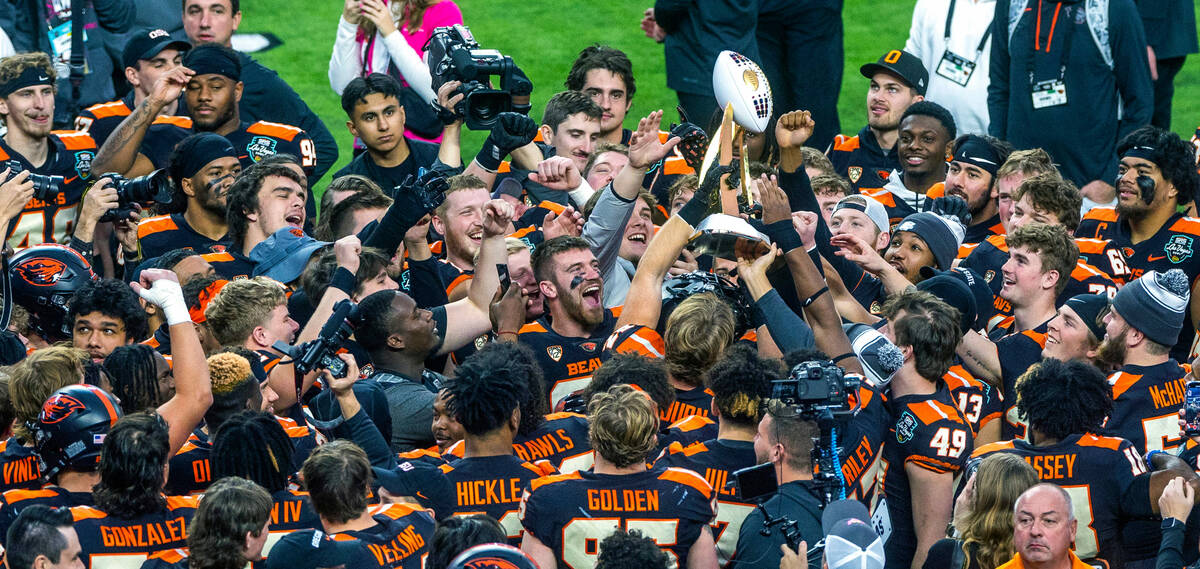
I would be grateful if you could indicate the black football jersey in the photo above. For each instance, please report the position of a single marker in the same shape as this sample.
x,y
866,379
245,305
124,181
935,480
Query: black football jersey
x,y
860,159
1172,247
493,485
696,401
1096,471
861,440
14,501
686,431
101,119
567,363
104,537
51,221
562,440
163,233
19,466
191,471
251,141
716,460
572,513
1146,403
979,402
401,538
1019,352
931,433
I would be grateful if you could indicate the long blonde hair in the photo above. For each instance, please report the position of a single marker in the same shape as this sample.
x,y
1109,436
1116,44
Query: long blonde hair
x,y
1000,480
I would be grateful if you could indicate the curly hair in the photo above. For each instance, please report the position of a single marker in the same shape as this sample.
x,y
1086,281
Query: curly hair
x,y
632,550
1053,245
242,197
487,387
533,402
698,332
741,382
253,445
647,374
1174,157
338,477
131,466
13,66
599,56
1054,195
457,534
1001,478
112,298
232,507
622,425
1059,399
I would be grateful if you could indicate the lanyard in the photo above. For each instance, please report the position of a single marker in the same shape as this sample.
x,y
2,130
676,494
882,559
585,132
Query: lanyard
x,y
950,18
1068,34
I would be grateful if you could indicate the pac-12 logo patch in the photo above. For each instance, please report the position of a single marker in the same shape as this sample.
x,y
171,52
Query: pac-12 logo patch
x,y
260,147
854,172
1178,248
906,427
555,352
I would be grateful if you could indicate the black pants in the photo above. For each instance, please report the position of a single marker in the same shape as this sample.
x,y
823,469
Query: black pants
x,y
699,109
800,49
1164,90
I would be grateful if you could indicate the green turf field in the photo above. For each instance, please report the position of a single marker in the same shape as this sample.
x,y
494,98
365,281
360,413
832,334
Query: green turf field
x,y
544,37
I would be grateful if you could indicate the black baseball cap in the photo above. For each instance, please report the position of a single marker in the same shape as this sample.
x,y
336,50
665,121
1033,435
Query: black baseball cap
x,y
148,43
902,64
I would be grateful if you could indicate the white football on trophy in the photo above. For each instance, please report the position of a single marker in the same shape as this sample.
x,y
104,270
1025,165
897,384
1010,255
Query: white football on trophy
x,y
741,82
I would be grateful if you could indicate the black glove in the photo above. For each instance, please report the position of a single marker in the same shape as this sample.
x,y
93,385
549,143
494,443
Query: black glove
x,y
422,194
697,208
511,131
952,206
693,143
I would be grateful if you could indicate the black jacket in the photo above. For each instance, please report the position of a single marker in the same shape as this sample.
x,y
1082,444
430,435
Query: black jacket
x,y
698,31
1085,130
1170,26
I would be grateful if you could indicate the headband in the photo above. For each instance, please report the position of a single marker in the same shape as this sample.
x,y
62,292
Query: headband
x,y
31,76
1144,152
199,150
977,151
213,60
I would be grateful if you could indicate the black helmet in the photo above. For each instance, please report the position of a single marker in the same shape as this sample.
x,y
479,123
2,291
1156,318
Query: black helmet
x,y
677,289
71,428
492,556
43,280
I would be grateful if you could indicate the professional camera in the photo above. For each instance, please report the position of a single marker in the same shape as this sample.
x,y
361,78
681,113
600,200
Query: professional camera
x,y
153,188
45,188
814,387
321,353
454,55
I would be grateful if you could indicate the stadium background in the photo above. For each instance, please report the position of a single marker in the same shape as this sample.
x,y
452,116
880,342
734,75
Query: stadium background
x,y
544,36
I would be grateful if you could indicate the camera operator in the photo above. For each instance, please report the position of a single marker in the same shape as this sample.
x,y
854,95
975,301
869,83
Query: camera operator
x,y
202,169
785,440
27,90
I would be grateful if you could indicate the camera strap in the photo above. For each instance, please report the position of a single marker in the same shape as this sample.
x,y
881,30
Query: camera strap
x,y
6,315
78,63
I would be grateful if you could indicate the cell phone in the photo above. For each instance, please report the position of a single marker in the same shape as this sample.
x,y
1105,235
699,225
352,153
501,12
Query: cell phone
x,y
756,481
502,271
1191,408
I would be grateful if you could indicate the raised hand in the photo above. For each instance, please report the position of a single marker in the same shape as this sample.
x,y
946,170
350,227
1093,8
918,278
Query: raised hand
x,y
169,86
557,173
497,218
644,146
380,15
569,222
774,201
794,129
855,249
347,251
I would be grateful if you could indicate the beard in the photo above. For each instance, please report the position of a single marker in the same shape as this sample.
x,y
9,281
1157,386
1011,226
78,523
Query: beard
x,y
216,122
573,306
1112,350
209,197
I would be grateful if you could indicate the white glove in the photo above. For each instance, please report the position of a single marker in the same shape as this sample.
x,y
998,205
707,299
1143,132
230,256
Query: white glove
x,y
168,296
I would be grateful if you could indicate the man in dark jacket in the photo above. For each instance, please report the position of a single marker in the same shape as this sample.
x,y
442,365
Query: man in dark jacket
x,y
695,32
265,95
1075,71
1171,33
30,24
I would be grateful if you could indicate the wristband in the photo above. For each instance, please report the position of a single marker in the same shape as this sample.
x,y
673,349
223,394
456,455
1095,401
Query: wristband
x,y
783,233
1150,458
506,332
695,210
343,280
489,156
814,297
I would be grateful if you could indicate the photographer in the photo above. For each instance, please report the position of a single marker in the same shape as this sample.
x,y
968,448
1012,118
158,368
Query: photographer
x,y
785,440
27,91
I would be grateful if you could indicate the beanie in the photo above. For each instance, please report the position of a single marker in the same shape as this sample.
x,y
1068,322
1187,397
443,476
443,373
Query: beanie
x,y
941,234
1154,304
1089,307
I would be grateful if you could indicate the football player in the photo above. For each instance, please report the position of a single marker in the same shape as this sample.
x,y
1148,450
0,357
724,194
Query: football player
x,y
564,516
202,169
1156,174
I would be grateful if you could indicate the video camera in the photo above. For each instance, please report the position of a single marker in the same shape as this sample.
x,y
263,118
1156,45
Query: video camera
x,y
153,188
454,55
814,387
321,353
44,187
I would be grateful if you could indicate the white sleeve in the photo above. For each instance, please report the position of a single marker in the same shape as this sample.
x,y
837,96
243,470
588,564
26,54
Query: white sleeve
x,y
346,62
6,46
411,65
917,43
